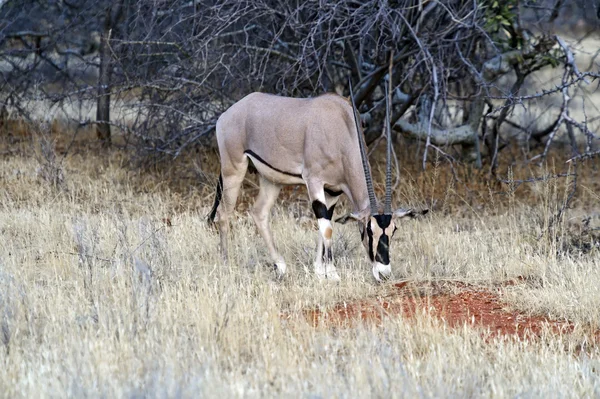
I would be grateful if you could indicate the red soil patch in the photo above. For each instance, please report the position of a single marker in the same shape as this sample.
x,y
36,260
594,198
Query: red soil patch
x,y
478,308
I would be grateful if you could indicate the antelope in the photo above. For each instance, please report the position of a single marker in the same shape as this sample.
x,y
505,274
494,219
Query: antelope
x,y
317,142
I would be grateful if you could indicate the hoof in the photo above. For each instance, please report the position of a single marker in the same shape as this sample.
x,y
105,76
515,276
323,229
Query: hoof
x,y
327,272
280,268
332,274
381,272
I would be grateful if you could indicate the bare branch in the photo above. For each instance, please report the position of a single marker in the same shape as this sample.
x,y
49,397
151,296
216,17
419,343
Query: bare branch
x,y
570,59
584,157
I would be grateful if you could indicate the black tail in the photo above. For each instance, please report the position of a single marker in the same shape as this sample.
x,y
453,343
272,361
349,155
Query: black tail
x,y
213,211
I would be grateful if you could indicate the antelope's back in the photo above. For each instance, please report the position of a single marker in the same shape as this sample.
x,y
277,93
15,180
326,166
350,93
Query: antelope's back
x,y
286,132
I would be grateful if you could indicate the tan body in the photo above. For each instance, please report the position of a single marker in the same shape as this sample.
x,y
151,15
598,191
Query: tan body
x,y
304,137
311,141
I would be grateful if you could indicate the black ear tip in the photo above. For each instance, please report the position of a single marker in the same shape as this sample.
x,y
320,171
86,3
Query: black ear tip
x,y
424,211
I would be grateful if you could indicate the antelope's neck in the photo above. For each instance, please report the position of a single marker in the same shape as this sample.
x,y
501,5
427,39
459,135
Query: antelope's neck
x,y
357,186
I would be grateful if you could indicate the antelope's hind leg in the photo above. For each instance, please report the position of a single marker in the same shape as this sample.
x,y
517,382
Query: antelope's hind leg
x,y
323,205
261,211
233,176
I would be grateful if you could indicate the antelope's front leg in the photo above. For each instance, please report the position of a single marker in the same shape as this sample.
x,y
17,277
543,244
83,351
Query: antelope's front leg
x,y
324,267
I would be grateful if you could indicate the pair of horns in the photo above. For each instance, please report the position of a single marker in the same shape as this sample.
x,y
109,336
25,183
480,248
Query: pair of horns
x,y
387,210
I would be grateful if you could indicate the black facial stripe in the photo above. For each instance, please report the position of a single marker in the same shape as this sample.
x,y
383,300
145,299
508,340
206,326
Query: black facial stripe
x,y
383,250
361,228
370,235
383,221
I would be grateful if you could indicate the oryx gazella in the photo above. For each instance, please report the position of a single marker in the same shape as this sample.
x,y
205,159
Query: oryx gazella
x,y
313,141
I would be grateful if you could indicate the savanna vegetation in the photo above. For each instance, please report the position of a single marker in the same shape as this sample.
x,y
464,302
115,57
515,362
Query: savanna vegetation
x,y
111,282
112,285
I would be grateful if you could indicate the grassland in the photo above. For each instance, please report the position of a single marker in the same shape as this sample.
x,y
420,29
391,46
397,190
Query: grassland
x,y
111,286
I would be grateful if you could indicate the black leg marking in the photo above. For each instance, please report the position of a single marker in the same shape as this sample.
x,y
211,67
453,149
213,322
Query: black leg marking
x,y
320,210
252,168
213,211
327,255
330,212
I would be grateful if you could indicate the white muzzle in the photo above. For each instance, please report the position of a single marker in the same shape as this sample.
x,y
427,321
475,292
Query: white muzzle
x,y
381,271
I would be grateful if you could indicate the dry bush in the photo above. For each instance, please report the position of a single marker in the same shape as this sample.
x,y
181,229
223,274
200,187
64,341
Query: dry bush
x,y
159,74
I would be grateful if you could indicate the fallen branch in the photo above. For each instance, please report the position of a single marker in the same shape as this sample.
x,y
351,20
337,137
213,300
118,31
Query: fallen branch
x,y
463,135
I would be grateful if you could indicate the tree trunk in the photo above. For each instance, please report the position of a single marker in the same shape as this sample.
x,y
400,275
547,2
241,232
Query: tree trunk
x,y
104,79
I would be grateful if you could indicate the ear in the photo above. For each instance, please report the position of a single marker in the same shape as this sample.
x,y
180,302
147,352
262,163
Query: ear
x,y
411,213
358,216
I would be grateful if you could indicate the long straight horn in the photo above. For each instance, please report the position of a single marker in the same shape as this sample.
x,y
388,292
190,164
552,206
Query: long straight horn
x,y
387,210
363,156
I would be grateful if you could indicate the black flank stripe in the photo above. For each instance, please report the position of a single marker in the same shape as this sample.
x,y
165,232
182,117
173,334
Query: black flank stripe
x,y
332,192
255,155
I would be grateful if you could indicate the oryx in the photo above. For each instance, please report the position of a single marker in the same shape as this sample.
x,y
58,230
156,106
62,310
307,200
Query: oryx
x,y
313,141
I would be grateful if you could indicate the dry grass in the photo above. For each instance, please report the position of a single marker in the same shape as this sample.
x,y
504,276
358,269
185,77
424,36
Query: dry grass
x,y
102,296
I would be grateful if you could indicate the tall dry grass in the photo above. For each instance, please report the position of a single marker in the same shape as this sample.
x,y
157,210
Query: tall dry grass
x,y
112,286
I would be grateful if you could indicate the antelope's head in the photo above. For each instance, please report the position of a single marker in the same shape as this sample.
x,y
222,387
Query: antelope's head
x,y
376,232
377,228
